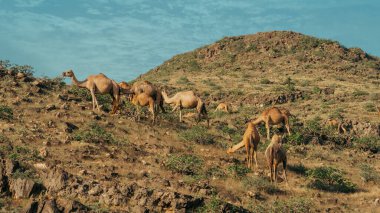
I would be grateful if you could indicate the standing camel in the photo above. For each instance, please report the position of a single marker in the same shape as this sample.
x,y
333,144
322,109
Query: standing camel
x,y
273,116
251,139
97,84
276,154
143,99
144,87
187,100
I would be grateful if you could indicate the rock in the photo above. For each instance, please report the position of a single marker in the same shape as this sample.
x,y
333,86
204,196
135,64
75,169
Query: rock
x,y
83,172
11,166
49,206
95,191
376,202
23,188
43,152
31,207
70,127
65,106
56,179
41,166
71,206
46,143
51,107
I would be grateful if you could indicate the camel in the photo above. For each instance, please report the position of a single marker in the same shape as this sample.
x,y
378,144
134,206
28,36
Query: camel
x,y
97,84
144,99
187,100
222,107
251,139
276,154
331,122
143,87
273,116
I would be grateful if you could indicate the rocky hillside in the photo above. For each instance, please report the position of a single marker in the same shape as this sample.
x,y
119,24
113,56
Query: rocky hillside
x,y
57,155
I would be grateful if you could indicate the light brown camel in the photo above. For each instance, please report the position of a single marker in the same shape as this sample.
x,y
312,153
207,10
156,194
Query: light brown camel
x,y
187,100
143,99
222,107
276,154
97,84
332,122
251,139
143,87
273,116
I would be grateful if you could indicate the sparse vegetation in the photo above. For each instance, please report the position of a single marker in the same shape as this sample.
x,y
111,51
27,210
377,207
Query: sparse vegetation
x,y
293,205
198,134
368,173
368,144
261,184
94,134
237,170
185,164
6,113
329,179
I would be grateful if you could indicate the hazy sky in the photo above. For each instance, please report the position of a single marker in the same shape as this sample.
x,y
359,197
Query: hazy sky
x,y
124,38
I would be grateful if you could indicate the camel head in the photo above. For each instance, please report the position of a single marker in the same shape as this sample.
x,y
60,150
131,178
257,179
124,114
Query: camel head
x,y
229,150
276,139
68,73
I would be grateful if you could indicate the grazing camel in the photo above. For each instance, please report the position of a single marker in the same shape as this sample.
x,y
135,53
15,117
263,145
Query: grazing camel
x,y
331,122
143,87
187,100
273,116
144,99
97,84
276,154
222,107
251,139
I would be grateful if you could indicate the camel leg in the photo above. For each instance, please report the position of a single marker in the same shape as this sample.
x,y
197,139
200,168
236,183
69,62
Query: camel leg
x,y
247,156
275,172
152,110
284,166
93,98
251,155
271,172
180,114
255,157
287,124
268,129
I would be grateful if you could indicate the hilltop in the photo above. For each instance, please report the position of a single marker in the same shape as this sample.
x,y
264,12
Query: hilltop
x,y
57,154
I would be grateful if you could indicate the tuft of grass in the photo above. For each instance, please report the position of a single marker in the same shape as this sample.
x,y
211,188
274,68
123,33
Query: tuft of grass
x,y
237,170
298,168
265,81
261,184
94,134
358,93
183,80
368,144
6,113
185,164
329,179
198,134
370,107
368,173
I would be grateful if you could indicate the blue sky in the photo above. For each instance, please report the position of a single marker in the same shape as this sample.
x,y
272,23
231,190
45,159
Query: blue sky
x,y
124,38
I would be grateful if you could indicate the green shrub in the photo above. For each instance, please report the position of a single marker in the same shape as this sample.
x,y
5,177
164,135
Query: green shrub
x,y
329,179
296,138
185,164
368,173
198,134
261,184
297,168
80,92
370,107
316,90
183,80
368,144
212,205
94,134
215,172
237,170
358,93
297,204
6,113
265,81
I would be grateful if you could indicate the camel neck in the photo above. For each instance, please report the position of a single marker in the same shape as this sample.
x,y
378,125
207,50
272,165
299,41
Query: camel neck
x,y
167,99
78,83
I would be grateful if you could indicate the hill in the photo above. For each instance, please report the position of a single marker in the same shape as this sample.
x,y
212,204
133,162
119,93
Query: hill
x,y
56,154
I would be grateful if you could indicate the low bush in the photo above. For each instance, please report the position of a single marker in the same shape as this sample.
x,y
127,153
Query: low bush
x,y
185,164
198,134
261,184
329,179
368,173
368,144
237,170
94,134
6,113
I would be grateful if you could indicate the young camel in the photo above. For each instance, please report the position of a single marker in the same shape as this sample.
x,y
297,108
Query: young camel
x,y
273,116
276,154
222,107
187,100
143,99
97,84
143,87
251,139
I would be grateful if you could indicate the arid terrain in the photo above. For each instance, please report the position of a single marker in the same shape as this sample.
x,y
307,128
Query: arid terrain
x,y
57,155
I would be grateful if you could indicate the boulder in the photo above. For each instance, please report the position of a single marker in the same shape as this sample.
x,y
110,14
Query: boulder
x,y
23,188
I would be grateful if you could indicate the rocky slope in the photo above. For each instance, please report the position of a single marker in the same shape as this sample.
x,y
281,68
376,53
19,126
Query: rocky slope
x,y
58,155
